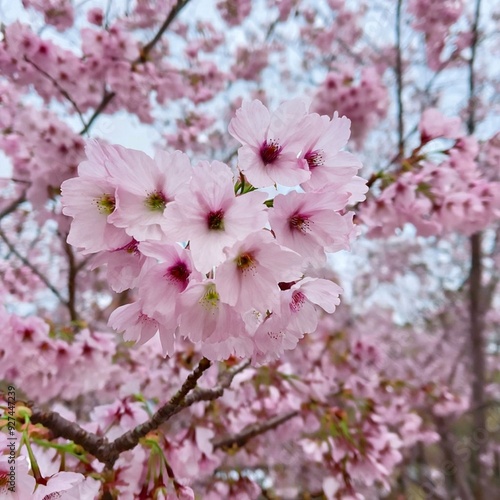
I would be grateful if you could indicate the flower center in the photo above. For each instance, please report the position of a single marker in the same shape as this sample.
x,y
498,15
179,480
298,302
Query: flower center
x,y
179,274
215,220
314,158
269,151
245,261
298,300
131,248
106,204
300,223
156,201
210,299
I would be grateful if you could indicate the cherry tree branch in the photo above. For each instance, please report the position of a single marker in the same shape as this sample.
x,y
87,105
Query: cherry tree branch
x,y
239,440
476,305
399,82
72,273
59,87
168,21
33,269
106,99
107,452
12,206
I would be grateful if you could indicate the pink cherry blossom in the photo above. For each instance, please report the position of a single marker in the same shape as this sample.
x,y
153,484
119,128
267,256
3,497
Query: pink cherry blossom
x,y
91,201
205,319
249,278
308,223
271,143
211,217
303,298
323,140
144,188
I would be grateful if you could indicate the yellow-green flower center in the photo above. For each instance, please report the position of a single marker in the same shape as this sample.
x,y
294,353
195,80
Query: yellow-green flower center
x,y
156,201
106,204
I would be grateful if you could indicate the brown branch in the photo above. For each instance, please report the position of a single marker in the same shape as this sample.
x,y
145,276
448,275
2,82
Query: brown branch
x,y
241,439
476,305
131,438
33,269
72,272
106,99
399,83
58,86
60,427
168,21
14,204
107,452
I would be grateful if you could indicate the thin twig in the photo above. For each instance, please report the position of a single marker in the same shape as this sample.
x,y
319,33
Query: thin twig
x,y
72,273
10,208
27,263
168,21
58,86
239,440
399,83
106,99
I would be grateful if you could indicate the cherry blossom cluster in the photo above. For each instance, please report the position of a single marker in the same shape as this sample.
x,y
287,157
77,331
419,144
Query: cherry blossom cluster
x,y
212,258
345,419
44,150
234,11
57,13
364,100
54,373
439,188
434,20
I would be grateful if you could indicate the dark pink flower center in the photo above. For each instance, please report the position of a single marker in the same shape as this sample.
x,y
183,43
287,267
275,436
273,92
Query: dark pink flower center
x,y
300,222
269,151
131,247
179,274
314,158
215,220
298,300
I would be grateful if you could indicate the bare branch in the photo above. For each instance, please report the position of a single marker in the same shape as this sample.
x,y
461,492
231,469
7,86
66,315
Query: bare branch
x,y
168,21
239,440
13,205
72,272
28,264
58,86
60,427
399,83
106,99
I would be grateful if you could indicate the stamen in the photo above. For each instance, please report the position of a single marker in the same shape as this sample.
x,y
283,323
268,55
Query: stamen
x,y
315,158
269,151
156,201
298,300
245,261
215,220
210,299
106,204
300,223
